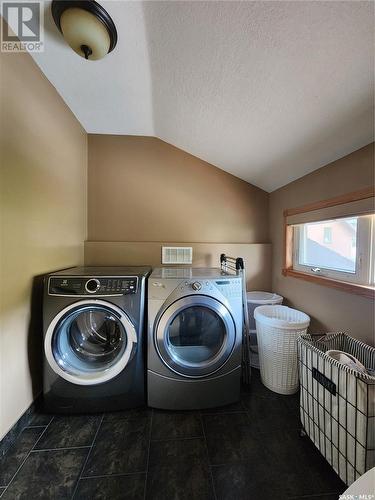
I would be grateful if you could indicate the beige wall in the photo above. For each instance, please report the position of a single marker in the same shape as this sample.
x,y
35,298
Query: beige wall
x,y
43,216
257,257
330,309
143,189
145,193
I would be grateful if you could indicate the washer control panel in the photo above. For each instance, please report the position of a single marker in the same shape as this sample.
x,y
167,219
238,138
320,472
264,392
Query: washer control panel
x,y
196,286
94,286
228,287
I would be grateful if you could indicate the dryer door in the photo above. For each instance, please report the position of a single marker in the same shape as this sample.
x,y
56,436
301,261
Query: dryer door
x,y
195,336
90,342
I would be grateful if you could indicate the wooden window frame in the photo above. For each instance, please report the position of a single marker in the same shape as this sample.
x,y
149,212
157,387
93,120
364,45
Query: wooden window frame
x,y
365,291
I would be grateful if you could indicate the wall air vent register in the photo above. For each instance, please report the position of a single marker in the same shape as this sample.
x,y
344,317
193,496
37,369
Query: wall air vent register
x,y
177,255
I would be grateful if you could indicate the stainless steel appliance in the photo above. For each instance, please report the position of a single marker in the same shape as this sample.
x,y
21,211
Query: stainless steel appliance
x,y
195,323
93,339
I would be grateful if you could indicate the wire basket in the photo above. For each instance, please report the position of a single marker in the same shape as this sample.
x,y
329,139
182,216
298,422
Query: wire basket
x,y
337,403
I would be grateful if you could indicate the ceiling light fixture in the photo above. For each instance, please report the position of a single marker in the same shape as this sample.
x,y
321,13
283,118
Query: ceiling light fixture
x,y
86,26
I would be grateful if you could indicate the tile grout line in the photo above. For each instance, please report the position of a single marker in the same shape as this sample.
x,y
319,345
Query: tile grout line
x,y
221,412
41,450
227,464
208,457
117,474
34,427
27,456
177,439
87,457
148,454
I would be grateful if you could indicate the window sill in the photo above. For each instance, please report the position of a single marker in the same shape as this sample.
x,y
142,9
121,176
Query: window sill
x,y
365,291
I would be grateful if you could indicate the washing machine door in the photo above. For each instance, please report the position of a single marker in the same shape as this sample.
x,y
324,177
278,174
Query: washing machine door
x,y
90,342
195,336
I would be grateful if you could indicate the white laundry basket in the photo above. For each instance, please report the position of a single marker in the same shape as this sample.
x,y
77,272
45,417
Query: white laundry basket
x,y
277,330
254,300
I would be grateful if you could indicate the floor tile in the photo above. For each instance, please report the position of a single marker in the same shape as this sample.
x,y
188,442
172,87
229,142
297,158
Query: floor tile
x,y
47,474
231,438
303,469
258,480
292,401
245,388
69,431
171,425
129,487
176,450
266,415
17,453
120,447
324,477
131,413
249,450
235,407
245,481
257,388
183,481
40,419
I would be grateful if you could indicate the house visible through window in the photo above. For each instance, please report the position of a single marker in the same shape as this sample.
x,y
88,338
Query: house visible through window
x,y
341,249
327,235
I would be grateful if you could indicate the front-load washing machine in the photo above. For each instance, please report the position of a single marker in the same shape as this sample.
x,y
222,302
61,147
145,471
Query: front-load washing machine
x,y
93,339
195,325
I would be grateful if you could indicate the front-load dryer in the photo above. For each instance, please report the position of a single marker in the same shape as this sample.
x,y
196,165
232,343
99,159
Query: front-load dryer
x,y
195,325
93,339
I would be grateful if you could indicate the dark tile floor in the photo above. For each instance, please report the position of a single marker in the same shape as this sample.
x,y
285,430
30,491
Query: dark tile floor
x,y
250,450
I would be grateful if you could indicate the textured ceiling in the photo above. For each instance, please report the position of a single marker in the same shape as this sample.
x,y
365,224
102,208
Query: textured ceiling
x,y
268,91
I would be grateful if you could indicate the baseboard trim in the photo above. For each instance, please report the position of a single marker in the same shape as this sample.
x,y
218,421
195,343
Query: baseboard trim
x,y
24,420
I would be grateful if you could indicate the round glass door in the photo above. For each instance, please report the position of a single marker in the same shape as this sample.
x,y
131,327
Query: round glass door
x,y
195,336
90,342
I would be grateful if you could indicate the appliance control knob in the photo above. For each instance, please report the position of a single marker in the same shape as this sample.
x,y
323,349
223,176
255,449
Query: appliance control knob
x,y
92,285
196,286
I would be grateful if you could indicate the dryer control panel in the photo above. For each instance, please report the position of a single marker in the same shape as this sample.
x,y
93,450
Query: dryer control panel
x,y
94,286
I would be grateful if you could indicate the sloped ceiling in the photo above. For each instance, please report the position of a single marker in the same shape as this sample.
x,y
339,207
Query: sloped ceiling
x,y
267,91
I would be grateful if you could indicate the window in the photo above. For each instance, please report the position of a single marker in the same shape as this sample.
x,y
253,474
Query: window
x,y
327,235
332,242
339,249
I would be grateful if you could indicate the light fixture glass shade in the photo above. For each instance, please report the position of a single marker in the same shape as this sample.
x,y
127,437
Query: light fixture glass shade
x,y
85,33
